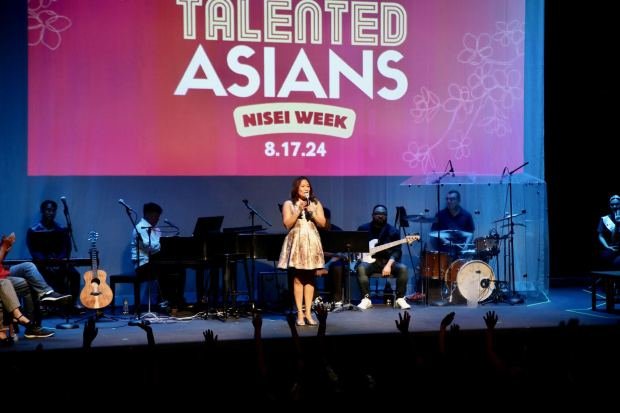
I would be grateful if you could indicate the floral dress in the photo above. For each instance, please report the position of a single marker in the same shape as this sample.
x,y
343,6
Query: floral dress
x,y
302,247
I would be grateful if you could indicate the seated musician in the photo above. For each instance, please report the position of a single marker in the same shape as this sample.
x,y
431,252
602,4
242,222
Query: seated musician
x,y
453,226
29,285
146,242
609,235
48,240
387,262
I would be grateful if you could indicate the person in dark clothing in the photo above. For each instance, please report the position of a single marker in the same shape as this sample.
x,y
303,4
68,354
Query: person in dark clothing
x,y
385,262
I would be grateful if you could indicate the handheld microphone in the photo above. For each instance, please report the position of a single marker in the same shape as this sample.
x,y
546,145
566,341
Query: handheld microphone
x,y
63,199
122,202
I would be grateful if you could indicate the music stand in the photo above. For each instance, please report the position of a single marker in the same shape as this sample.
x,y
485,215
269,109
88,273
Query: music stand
x,y
350,242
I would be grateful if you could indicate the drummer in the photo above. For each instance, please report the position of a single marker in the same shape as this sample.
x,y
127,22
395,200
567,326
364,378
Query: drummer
x,y
453,229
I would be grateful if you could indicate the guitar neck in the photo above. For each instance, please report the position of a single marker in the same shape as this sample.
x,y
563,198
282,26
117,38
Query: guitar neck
x,y
93,262
387,246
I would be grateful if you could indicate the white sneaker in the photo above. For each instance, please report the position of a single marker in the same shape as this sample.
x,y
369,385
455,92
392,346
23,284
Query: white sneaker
x,y
365,304
402,304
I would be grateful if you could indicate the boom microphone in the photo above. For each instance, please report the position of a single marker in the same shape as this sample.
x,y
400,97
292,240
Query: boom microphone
x,y
63,199
122,202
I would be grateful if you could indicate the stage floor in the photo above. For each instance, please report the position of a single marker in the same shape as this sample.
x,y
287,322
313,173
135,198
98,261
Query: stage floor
x,y
537,312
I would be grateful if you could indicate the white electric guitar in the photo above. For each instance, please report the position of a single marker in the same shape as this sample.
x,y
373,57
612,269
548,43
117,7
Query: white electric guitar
x,y
372,250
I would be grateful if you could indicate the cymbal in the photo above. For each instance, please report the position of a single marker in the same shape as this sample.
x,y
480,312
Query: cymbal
x,y
421,218
464,246
450,234
509,216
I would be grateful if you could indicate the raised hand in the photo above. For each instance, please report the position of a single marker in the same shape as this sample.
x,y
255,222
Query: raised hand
x,y
257,321
402,324
490,319
90,332
447,320
146,326
210,337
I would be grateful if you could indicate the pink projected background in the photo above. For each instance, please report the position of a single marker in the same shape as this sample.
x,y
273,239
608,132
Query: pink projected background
x,y
107,95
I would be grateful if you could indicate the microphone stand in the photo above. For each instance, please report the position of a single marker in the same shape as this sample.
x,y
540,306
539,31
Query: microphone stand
x,y
513,297
443,301
134,225
67,325
253,213
70,230
148,313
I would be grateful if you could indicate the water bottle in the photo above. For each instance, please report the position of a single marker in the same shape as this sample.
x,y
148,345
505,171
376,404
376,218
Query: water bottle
x,y
125,307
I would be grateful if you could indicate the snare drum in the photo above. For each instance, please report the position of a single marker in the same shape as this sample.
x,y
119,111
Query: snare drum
x,y
433,263
487,246
475,281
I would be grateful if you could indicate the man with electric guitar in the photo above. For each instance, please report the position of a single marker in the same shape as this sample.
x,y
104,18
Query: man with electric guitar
x,y
384,257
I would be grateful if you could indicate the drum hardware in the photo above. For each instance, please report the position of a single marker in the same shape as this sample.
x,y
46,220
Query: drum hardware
x,y
511,215
512,297
500,293
452,235
421,218
517,224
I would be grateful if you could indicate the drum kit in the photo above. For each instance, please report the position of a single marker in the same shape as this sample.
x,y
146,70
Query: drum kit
x,y
465,267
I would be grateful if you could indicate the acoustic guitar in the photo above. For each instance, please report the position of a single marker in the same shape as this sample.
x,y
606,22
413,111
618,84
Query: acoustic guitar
x,y
372,249
96,293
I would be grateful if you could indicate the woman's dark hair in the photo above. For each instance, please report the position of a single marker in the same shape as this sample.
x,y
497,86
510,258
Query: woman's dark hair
x,y
295,189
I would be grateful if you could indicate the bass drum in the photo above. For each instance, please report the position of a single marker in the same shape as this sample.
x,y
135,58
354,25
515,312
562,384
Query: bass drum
x,y
475,281
453,270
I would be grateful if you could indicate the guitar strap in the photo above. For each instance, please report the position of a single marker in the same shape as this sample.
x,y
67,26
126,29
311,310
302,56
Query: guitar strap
x,y
609,223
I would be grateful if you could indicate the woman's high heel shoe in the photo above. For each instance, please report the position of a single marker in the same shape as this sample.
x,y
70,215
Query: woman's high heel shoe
x,y
311,321
19,320
7,340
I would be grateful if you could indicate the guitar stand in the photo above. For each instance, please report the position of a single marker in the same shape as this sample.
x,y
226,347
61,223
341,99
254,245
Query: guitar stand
x,y
99,316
